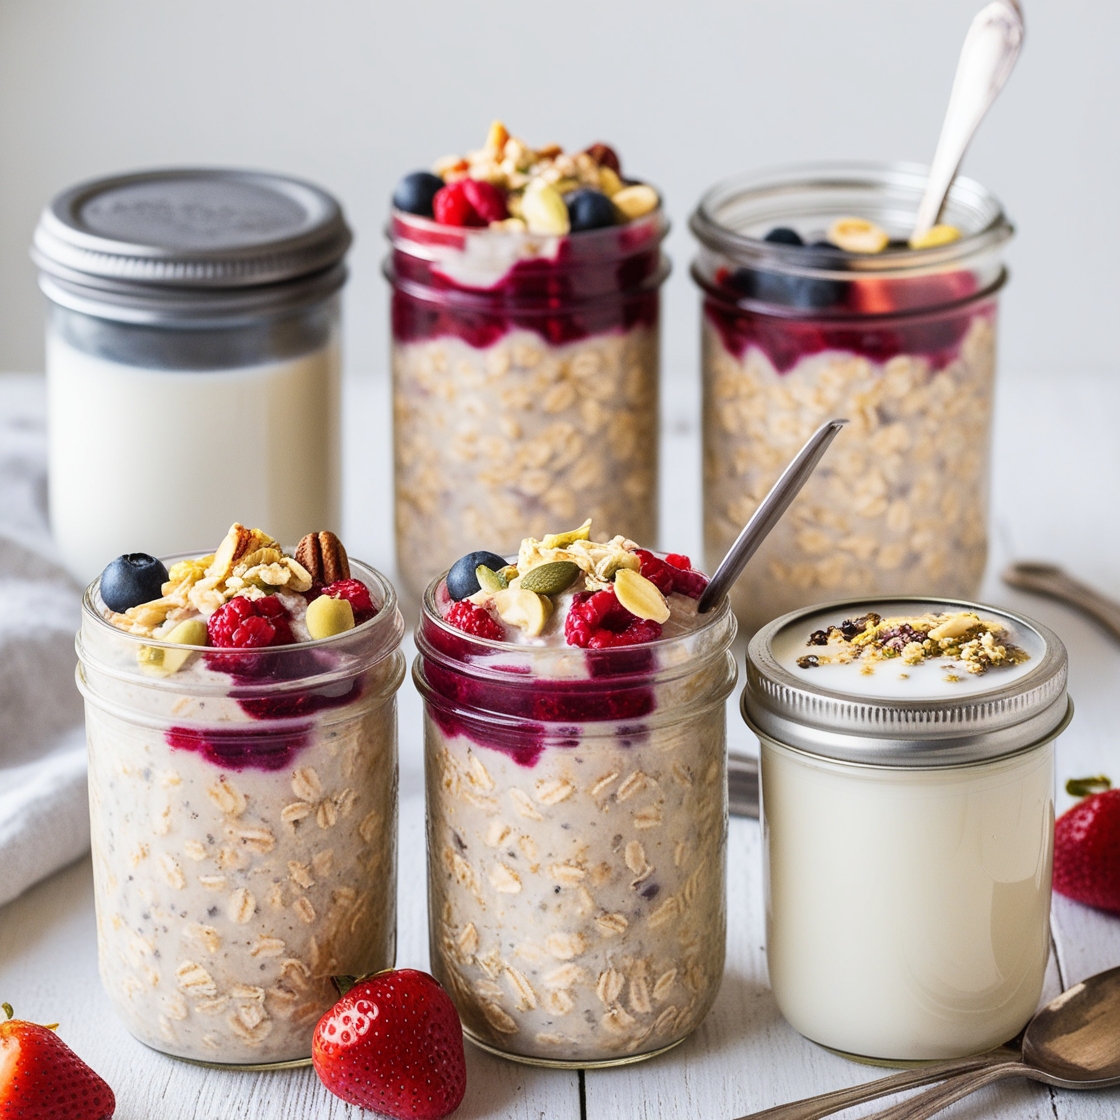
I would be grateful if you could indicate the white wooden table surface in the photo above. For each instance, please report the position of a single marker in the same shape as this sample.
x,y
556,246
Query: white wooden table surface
x,y
1056,495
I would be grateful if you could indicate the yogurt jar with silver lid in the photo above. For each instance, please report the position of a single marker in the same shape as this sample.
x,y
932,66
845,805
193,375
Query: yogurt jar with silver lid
x,y
192,359
907,757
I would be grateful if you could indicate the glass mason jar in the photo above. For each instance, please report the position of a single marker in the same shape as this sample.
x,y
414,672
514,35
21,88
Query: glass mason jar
x,y
243,814
192,349
577,825
908,827
525,385
902,343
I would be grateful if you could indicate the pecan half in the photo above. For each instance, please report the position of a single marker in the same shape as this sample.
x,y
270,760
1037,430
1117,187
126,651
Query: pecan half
x,y
324,557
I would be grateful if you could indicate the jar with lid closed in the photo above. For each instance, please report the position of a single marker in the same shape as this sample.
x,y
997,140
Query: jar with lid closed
x,y
192,359
907,754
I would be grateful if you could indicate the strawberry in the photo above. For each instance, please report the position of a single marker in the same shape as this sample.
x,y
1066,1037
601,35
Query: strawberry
x,y
41,1078
393,1044
1087,846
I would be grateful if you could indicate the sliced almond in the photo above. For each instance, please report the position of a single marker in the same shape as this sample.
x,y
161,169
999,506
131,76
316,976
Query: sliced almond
x,y
639,596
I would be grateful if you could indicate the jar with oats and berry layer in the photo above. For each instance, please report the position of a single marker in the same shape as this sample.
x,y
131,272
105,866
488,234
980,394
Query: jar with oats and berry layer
x,y
577,810
525,319
243,806
814,306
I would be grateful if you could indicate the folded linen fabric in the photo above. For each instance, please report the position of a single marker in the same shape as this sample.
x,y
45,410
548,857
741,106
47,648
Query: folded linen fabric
x,y
44,822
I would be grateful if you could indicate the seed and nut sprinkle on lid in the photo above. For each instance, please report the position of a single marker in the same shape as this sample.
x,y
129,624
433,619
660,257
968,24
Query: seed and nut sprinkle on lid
x,y
963,636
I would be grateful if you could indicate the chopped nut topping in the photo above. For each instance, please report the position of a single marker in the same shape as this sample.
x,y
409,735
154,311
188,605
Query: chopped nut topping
x,y
961,636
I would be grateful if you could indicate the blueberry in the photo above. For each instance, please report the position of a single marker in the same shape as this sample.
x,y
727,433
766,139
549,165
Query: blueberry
x,y
806,293
461,580
783,235
132,579
415,192
590,209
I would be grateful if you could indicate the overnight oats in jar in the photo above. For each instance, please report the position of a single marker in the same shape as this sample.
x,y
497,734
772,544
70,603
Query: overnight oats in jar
x,y
815,305
577,799
525,314
907,773
241,720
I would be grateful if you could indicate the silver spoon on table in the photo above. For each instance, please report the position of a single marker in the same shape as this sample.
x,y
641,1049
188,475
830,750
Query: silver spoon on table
x,y
742,771
988,55
1049,579
1073,1043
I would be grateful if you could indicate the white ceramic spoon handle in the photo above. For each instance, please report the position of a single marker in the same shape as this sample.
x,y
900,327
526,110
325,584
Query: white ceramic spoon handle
x,y
987,57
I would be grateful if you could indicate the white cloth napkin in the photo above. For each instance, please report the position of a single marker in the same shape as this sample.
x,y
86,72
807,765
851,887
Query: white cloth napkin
x,y
44,817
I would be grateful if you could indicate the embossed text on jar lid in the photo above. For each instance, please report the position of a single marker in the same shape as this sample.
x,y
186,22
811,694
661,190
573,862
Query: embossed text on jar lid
x,y
891,711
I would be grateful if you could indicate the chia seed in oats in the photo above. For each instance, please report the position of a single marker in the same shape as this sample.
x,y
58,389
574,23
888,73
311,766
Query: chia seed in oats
x,y
576,794
222,914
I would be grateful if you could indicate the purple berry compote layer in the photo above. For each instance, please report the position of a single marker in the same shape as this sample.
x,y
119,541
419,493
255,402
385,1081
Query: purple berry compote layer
x,y
243,792
525,315
576,784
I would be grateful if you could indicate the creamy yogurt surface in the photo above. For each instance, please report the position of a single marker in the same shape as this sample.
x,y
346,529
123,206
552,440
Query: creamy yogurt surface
x,y
865,671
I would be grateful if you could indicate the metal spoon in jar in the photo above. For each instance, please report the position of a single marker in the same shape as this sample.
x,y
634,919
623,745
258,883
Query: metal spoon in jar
x,y
990,49
1072,1043
768,514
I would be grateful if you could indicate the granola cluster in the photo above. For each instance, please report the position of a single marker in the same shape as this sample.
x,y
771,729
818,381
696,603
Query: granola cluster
x,y
541,190
961,636
247,563
899,504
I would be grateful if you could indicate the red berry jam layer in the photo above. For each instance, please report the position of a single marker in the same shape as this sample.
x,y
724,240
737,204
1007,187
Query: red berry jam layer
x,y
479,285
599,606
876,319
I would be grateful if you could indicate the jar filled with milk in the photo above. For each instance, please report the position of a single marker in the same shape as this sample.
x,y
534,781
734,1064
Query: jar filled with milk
x,y
907,769
192,359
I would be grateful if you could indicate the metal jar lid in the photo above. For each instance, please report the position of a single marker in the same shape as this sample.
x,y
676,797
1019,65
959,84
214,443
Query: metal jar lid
x,y
884,719
190,243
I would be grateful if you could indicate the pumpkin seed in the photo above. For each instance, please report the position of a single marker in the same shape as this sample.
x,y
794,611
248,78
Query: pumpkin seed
x,y
639,596
550,578
490,580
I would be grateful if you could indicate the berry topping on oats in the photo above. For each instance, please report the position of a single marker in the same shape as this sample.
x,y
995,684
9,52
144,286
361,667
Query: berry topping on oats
x,y
508,185
960,637
568,589
248,594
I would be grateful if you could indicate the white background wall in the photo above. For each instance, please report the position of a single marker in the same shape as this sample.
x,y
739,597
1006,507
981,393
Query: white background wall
x,y
351,93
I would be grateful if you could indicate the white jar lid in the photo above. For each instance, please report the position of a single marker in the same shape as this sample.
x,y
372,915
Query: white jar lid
x,y
190,242
933,713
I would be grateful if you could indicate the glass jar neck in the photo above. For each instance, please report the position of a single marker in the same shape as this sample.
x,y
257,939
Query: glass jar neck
x,y
737,266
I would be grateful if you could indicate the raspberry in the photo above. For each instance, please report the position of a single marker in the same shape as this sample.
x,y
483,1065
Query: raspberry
x,y
672,574
356,594
597,620
486,200
250,624
474,620
452,207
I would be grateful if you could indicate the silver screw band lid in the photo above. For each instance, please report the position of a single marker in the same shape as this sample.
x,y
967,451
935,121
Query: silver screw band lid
x,y
188,239
883,719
